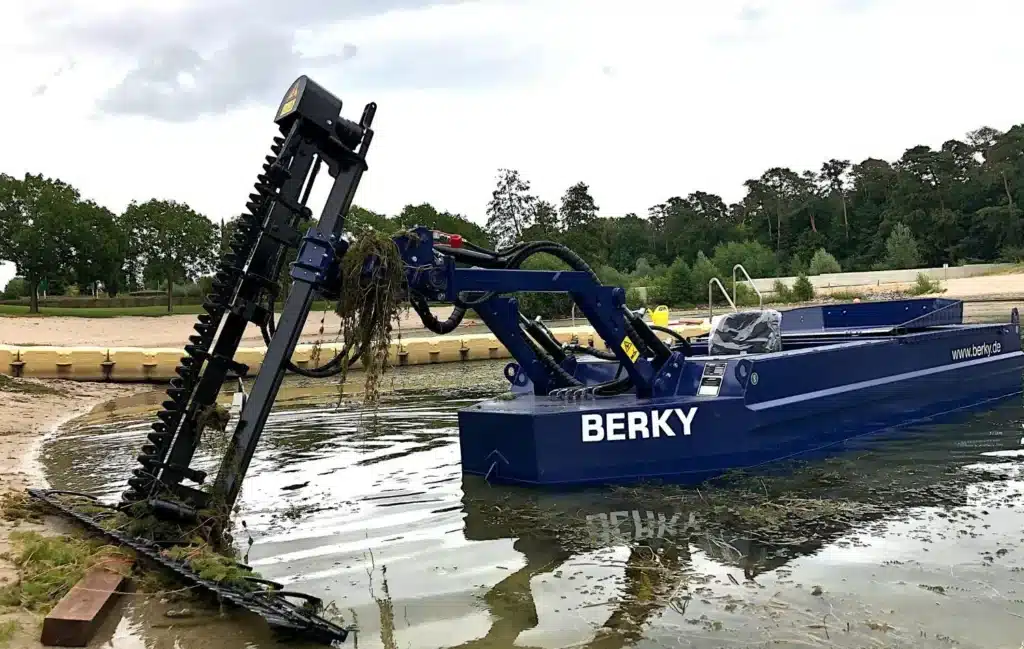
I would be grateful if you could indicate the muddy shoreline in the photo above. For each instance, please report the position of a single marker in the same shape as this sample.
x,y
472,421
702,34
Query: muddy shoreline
x,y
32,411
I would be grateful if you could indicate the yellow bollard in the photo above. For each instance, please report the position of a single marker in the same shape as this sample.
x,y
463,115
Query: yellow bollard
x,y
660,316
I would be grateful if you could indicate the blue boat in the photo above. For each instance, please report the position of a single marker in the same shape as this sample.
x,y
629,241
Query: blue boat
x,y
761,387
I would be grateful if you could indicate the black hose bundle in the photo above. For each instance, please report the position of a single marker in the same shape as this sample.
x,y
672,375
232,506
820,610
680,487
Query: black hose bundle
x,y
513,258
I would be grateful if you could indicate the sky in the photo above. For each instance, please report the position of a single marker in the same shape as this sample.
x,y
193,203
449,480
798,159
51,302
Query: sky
x,y
642,100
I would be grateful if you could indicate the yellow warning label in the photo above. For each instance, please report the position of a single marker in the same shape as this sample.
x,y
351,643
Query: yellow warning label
x,y
630,349
290,100
288,107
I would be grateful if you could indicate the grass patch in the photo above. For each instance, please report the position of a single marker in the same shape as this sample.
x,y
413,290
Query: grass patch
x,y
17,506
7,630
204,546
846,295
49,566
24,386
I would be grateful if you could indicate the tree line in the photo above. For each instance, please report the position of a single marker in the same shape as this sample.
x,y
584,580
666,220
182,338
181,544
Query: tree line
x,y
956,204
58,239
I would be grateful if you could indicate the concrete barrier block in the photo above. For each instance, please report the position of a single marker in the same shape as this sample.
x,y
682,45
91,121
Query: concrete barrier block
x,y
159,364
8,359
42,362
585,335
128,364
251,356
416,351
303,356
446,349
482,347
83,364
137,364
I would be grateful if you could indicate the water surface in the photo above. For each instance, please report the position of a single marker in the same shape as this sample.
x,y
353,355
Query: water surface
x,y
910,541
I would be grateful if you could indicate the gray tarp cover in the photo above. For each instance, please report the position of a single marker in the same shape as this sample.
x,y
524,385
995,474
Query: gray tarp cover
x,y
753,332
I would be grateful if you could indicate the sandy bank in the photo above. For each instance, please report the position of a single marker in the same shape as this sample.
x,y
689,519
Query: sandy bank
x,y
29,412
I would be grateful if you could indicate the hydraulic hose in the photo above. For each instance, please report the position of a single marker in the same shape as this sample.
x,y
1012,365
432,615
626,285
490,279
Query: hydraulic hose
x,y
430,321
675,334
331,368
593,351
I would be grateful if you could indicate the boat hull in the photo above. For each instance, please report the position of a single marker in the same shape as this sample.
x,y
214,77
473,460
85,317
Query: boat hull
x,y
768,408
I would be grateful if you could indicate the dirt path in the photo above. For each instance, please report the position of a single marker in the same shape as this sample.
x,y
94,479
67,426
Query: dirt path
x,y
29,412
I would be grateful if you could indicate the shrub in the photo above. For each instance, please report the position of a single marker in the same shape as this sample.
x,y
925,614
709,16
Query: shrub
x,y
700,275
643,268
678,284
781,292
635,299
658,292
924,285
803,290
745,296
612,277
823,262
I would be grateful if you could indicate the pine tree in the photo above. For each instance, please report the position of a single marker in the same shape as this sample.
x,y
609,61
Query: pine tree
x,y
510,210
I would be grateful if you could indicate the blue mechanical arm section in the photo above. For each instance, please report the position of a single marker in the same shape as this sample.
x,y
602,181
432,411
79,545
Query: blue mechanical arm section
x,y
471,277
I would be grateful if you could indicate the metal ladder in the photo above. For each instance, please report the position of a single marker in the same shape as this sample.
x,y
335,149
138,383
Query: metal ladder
x,y
732,301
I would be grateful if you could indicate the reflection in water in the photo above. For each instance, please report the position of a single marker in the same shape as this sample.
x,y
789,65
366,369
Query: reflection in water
x,y
912,540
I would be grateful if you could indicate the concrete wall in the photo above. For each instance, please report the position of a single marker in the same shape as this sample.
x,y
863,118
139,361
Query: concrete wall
x,y
864,279
882,277
145,365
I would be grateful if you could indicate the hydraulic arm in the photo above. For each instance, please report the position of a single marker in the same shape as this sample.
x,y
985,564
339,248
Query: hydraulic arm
x,y
436,267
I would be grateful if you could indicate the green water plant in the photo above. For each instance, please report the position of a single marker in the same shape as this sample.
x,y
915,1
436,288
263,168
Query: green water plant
x,y
369,306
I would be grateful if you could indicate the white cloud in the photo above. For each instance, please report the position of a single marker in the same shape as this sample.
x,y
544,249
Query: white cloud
x,y
642,100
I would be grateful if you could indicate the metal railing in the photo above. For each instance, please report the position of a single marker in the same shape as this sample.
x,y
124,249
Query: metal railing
x,y
760,298
711,296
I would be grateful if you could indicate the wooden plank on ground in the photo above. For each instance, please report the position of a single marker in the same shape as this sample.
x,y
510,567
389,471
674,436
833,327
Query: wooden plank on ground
x,y
79,614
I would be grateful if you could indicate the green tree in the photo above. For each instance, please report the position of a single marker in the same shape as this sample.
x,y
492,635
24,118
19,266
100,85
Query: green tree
x,y
803,290
578,209
701,274
359,219
823,262
37,223
510,210
99,245
174,242
678,284
901,250
835,174
545,220
16,288
427,216
757,259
